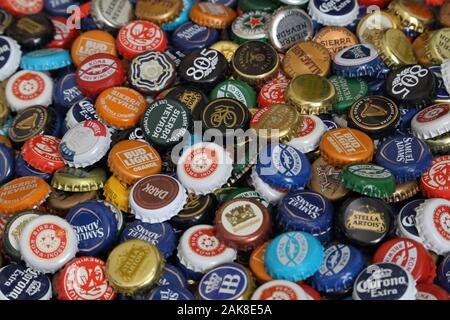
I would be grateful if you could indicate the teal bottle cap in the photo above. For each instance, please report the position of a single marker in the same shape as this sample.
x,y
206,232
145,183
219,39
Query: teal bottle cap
x,y
46,59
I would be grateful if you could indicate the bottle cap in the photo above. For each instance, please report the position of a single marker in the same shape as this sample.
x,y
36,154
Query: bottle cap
x,y
227,48
306,57
46,59
394,48
64,34
419,46
287,26
259,66
169,293
204,167
378,20
444,15
410,255
348,91
268,193
19,8
90,43
47,243
443,275
172,276
134,266
412,85
406,221
431,292
413,15
120,107
434,182
366,222
79,180
272,93
19,282
60,202
359,60
199,209
28,88
190,96
31,31
256,263
42,153
30,122
23,169
110,15
254,5
325,180
384,281
182,18
10,56
243,283
7,163
445,76
311,94
57,8
95,226
22,193
85,144
99,72
5,20
159,12
80,111
250,26
200,250
117,193
335,39
341,265
432,121
213,15
293,256
431,223
309,134
330,13
157,198
403,191
66,92
237,90
280,290
191,36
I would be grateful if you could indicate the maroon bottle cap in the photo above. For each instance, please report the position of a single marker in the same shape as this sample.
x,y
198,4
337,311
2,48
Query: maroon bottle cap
x,y
242,223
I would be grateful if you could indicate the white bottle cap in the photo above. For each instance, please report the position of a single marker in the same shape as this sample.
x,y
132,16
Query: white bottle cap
x,y
267,192
445,71
334,12
309,134
280,290
431,121
10,55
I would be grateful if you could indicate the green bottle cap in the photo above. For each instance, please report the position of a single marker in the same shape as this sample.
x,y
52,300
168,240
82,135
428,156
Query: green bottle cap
x,y
368,179
249,193
250,26
348,90
235,89
262,5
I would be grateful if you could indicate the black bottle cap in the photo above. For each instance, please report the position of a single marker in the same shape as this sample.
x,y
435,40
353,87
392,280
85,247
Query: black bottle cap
x,y
204,68
199,209
411,86
375,115
134,133
192,97
365,222
32,32
5,20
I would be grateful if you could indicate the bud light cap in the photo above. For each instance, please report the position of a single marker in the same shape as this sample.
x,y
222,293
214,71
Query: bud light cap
x,y
161,235
426,291
280,290
46,59
432,121
432,224
443,273
273,196
293,256
95,226
200,250
309,134
284,167
47,243
169,292
434,182
384,281
80,111
333,13
340,267
10,55
406,221
406,156
306,211
172,276
191,36
66,92
6,163
19,282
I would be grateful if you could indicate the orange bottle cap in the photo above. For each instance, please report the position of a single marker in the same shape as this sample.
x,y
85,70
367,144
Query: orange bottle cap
x,y
23,193
120,107
213,15
257,263
92,42
130,160
343,146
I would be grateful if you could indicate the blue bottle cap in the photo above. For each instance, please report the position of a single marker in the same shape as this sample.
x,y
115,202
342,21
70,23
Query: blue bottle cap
x,y
161,235
442,94
359,60
443,273
340,267
334,13
182,18
175,54
293,256
95,226
88,24
172,276
10,55
59,128
58,8
66,92
19,282
23,169
229,281
169,293
188,273
6,163
406,115
228,3
406,220
191,36
284,167
80,111
405,155
328,121
306,211
46,59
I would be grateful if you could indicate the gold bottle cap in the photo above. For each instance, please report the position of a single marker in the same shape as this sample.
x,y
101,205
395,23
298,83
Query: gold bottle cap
x,y
419,46
158,11
325,180
438,46
439,144
413,15
403,191
79,180
379,20
4,109
212,15
280,121
444,15
5,140
311,94
227,48
334,39
134,266
117,193
60,202
394,47
307,57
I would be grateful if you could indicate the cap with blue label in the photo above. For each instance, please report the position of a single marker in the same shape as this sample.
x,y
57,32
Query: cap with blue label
x,y
191,36
66,92
306,211
58,8
23,169
46,59
293,256
334,13
10,55
172,276
406,220
6,163
169,293
443,273
80,111
161,235
95,225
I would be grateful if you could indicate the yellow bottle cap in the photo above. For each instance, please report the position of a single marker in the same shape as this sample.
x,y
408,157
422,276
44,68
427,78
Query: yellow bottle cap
x,y
413,15
438,46
394,47
227,48
117,193
307,57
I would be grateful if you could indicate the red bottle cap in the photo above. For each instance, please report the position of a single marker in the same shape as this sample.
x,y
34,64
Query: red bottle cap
x,y
21,8
42,152
310,291
64,35
272,93
435,183
99,72
436,3
409,254
379,3
427,291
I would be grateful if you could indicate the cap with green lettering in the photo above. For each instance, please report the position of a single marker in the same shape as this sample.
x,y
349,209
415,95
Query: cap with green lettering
x,y
348,90
237,90
263,5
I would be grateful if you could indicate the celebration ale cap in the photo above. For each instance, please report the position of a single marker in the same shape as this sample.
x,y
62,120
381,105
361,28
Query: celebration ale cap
x,y
325,180
90,43
159,12
79,180
10,57
23,193
309,134
47,243
293,256
157,198
71,283
280,290
134,266
200,250
307,57
434,182
190,36
42,153
214,15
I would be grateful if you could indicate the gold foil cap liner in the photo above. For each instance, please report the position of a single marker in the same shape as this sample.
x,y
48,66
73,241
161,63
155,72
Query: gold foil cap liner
x,y
403,191
407,18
